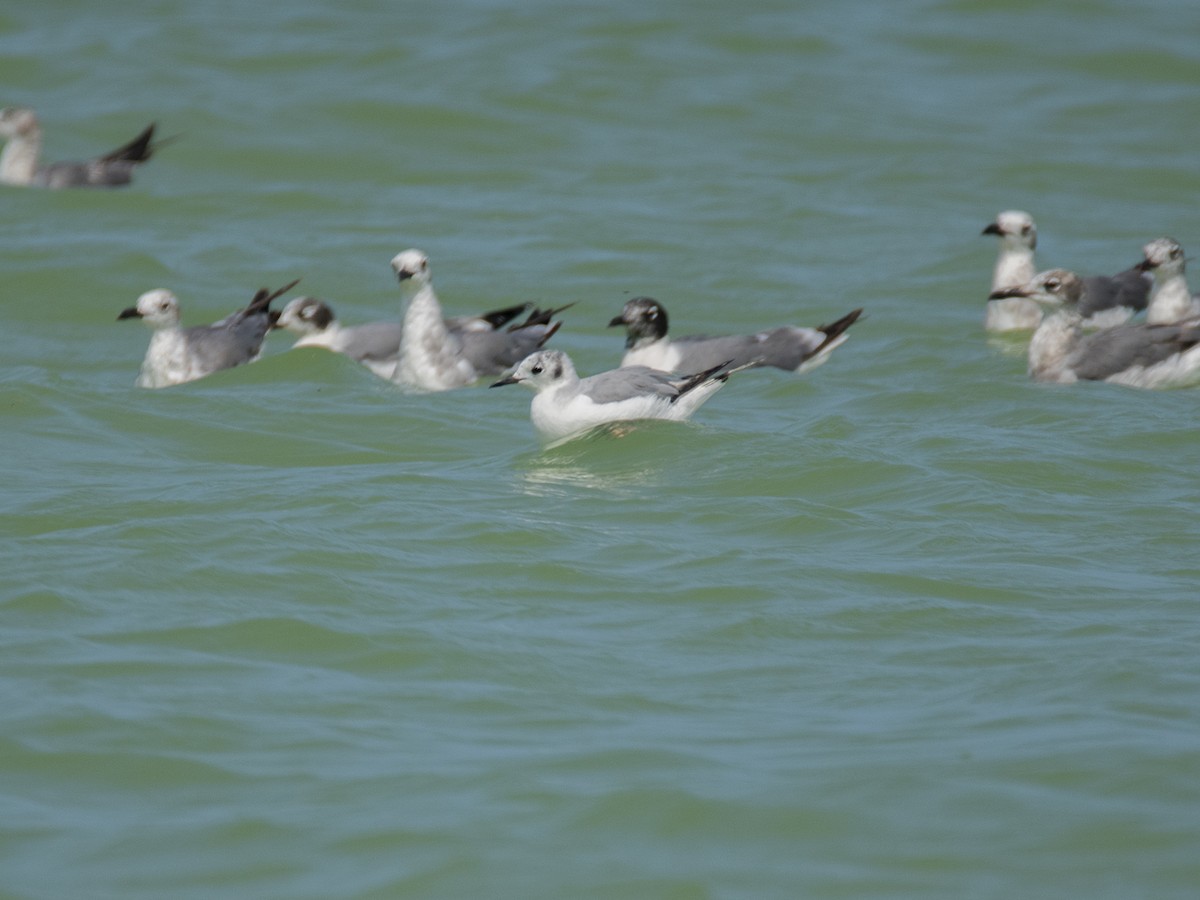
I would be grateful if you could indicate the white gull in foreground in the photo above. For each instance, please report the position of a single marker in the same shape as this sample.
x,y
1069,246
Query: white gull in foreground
x,y
1141,355
434,356
177,355
20,164
1107,299
1170,300
375,345
791,348
565,405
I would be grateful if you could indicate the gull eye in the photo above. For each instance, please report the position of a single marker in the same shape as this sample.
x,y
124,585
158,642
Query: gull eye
x,y
164,305
536,370
1053,284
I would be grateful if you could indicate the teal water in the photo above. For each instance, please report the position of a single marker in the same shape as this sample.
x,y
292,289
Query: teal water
x,y
907,627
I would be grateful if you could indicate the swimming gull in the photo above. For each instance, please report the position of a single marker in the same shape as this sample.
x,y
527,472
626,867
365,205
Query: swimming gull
x,y
19,163
1014,267
438,357
1170,299
375,345
1136,355
791,348
1107,299
177,355
566,405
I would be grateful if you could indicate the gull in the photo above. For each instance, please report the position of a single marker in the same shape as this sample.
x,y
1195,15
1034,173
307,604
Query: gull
x,y
177,355
19,161
1170,299
1107,299
1135,355
375,345
1014,267
565,405
791,348
434,356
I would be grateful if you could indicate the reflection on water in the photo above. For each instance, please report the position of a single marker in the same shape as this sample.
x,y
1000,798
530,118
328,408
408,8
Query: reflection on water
x,y
619,457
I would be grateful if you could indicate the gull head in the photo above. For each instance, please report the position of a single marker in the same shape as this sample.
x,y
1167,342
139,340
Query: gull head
x,y
644,319
412,265
17,120
1052,288
541,371
304,316
158,309
1163,256
1015,228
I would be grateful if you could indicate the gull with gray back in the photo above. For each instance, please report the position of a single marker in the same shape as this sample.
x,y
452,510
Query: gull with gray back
x,y
177,355
1107,299
20,160
791,348
375,345
435,356
1135,355
565,405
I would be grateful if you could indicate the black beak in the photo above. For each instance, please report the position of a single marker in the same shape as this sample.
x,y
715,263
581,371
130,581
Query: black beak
x,y
130,313
617,320
404,275
993,228
508,380
1007,292
1145,266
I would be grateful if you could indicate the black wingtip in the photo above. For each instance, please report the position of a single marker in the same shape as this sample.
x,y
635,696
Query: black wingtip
x,y
834,330
713,374
264,296
540,316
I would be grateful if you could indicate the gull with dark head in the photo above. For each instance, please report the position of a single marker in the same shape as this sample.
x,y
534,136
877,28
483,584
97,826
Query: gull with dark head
x,y
1170,299
565,405
1134,355
20,160
435,355
177,355
790,348
375,345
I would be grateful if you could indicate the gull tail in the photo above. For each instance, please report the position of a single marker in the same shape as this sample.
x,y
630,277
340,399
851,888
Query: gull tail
x,y
263,297
718,373
498,318
835,330
140,149
540,317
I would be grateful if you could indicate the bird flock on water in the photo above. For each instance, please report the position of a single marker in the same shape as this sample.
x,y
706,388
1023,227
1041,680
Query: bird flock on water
x,y
1139,327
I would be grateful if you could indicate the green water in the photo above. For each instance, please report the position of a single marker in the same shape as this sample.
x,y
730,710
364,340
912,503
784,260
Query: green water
x,y
907,627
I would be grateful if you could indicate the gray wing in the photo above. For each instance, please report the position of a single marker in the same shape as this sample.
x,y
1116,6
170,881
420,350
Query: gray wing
x,y
493,352
1114,350
373,341
1130,288
488,321
783,348
235,340
625,384
113,169
85,174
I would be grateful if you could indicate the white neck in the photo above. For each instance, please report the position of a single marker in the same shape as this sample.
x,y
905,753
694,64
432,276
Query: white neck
x,y
1052,344
429,357
1170,301
1014,266
326,337
19,159
166,361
